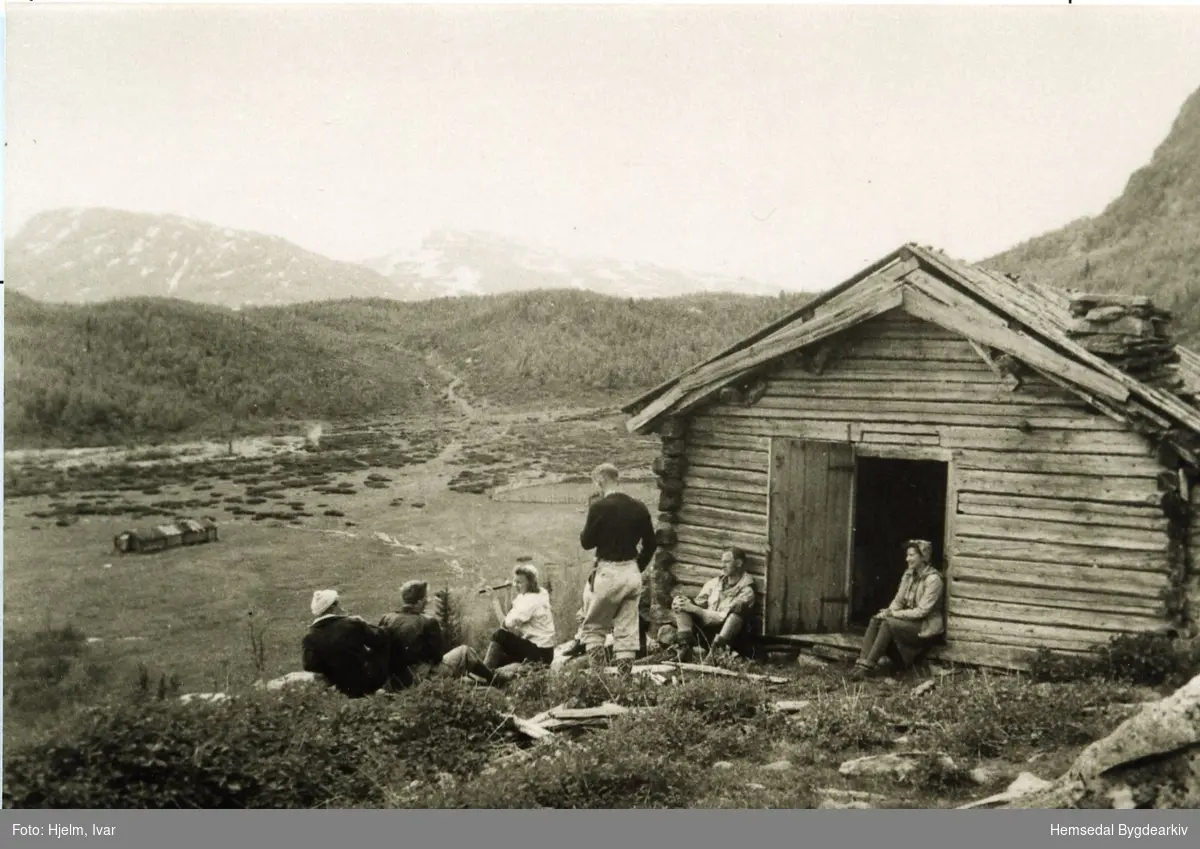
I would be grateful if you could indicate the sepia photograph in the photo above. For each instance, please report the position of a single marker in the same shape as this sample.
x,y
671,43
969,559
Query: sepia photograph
x,y
612,406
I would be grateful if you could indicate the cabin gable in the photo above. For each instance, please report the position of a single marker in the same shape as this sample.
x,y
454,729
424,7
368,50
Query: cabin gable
x,y
1053,533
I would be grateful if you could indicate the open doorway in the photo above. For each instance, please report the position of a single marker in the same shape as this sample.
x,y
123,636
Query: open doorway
x,y
895,501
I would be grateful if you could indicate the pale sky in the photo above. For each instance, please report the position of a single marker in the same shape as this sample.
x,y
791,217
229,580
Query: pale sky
x,y
793,144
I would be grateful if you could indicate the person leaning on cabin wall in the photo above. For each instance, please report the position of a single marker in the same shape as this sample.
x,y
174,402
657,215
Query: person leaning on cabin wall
x,y
905,629
526,633
345,652
419,641
616,524
718,614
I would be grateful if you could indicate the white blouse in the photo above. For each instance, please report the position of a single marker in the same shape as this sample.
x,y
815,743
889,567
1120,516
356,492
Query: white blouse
x,y
531,618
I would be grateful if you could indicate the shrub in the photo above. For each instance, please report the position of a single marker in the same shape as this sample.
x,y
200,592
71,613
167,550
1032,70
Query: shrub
x,y
298,749
602,771
1148,659
49,669
718,701
845,721
988,715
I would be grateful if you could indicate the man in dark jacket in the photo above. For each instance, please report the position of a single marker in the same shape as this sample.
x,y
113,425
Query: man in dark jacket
x,y
346,652
418,645
616,524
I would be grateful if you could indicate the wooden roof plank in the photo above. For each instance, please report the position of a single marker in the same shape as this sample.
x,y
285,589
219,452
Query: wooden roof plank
x,y
1006,295
1013,342
898,260
692,389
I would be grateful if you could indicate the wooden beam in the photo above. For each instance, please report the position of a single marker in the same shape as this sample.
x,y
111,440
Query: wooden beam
x,y
1018,344
1028,308
1006,377
891,267
871,301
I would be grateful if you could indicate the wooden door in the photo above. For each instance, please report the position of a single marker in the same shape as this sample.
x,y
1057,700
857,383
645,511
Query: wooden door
x,y
810,510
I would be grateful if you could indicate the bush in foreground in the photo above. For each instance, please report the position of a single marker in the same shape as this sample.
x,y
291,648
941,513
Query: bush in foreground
x,y
1151,660
304,749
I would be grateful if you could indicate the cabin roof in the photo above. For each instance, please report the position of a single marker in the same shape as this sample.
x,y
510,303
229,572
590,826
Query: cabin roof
x,y
1026,320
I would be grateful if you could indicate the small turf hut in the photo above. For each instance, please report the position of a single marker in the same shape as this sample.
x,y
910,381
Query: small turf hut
x,y
181,532
1046,441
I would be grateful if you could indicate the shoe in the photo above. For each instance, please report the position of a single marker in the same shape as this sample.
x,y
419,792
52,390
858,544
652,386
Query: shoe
x,y
574,648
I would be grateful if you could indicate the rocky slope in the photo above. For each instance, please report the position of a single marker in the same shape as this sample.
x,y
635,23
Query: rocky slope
x,y
1147,241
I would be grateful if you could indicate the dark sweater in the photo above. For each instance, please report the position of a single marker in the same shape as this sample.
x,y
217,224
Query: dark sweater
x,y
347,653
615,525
418,636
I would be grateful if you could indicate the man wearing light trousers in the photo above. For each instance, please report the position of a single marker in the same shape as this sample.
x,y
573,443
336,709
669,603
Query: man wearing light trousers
x,y
616,524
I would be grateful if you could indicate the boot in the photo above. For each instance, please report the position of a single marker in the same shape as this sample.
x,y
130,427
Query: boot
x,y
625,666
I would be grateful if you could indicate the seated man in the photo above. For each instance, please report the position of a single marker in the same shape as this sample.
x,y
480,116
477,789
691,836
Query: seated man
x,y
720,609
575,647
418,639
344,652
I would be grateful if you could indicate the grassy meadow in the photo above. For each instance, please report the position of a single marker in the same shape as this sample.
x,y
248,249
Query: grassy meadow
x,y
98,646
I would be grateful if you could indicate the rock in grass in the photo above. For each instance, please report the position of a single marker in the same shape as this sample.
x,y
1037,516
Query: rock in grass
x,y
982,775
895,765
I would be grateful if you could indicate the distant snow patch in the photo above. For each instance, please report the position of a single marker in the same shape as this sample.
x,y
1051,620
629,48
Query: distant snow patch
x,y
174,281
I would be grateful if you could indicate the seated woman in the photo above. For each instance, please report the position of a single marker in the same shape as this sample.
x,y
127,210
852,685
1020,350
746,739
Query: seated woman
x,y
720,609
913,621
526,633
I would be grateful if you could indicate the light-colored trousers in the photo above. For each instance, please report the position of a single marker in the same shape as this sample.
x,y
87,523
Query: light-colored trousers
x,y
614,608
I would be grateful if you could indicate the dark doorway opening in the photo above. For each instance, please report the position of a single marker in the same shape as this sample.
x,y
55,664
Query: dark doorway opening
x,y
894,501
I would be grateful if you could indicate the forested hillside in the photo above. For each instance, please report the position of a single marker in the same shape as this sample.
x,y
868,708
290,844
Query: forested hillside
x,y
552,344
150,368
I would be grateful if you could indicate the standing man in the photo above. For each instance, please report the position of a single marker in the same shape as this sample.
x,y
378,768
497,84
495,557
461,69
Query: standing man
x,y
616,524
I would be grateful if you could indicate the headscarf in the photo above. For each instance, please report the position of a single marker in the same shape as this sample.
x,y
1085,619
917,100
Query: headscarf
x,y
924,550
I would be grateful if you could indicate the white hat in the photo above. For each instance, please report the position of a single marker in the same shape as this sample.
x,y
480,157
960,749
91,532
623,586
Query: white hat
x,y
322,600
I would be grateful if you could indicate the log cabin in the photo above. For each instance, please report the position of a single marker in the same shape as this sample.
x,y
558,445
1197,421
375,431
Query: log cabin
x,y
1046,442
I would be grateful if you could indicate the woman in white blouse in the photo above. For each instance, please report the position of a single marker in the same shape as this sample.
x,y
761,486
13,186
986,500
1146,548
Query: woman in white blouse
x,y
527,632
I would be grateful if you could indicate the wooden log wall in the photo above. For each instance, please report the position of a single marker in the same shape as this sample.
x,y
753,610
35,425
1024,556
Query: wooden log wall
x,y
1060,538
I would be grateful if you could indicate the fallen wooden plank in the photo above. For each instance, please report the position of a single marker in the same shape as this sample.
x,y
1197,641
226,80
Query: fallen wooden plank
x,y
604,711
544,715
530,729
727,673
653,669
794,706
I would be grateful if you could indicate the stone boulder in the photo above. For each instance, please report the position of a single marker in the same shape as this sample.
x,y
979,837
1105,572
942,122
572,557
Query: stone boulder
x,y
894,765
1151,760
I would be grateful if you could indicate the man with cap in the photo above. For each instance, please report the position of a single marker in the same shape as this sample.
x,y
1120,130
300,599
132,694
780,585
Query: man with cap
x,y
419,640
616,524
346,652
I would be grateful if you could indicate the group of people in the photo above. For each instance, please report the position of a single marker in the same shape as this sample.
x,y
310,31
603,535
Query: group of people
x,y
358,658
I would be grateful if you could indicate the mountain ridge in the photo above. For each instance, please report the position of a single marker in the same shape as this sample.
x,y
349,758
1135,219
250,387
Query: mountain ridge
x,y
90,254
1145,241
